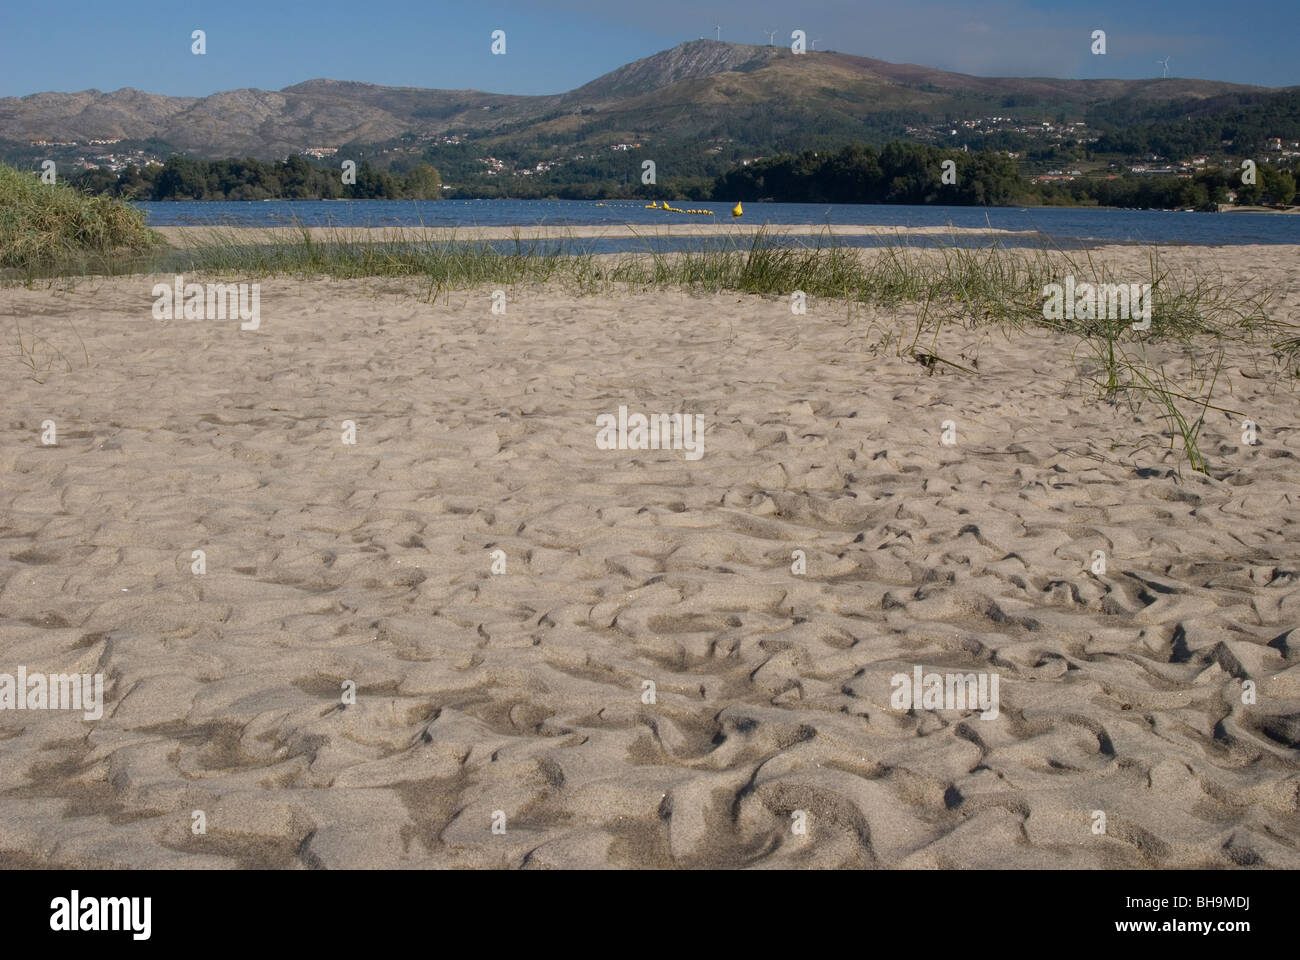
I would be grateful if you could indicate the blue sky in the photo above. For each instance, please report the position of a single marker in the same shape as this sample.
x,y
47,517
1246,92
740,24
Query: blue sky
x,y
558,45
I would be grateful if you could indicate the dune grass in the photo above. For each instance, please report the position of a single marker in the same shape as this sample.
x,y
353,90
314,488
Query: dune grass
x,y
50,224
985,285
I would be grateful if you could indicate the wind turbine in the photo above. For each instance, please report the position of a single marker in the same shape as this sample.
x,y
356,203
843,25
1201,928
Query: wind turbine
x,y
718,27
1165,64
771,37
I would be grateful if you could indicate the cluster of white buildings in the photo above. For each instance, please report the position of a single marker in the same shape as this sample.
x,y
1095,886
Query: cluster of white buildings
x,y
115,162
1045,129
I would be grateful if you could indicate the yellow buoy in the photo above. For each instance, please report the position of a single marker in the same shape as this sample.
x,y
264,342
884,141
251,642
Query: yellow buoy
x,y
736,211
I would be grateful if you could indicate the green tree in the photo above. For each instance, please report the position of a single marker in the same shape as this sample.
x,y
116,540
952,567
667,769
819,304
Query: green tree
x,y
181,179
422,182
1277,184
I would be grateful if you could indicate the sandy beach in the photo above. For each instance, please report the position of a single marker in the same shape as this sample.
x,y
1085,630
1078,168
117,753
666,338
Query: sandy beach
x,y
721,226
475,638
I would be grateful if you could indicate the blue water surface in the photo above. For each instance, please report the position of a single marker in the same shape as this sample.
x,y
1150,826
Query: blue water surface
x,y
1071,225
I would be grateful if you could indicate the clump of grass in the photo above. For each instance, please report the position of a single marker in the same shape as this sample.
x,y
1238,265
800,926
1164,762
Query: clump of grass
x,y
1120,374
45,224
39,354
1199,313
1165,391
339,254
1287,351
1183,305
989,285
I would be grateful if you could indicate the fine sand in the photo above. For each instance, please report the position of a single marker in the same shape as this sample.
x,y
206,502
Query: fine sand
x,y
687,227
519,699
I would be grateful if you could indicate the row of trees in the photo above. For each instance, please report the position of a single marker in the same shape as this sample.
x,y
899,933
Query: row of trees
x,y
184,178
900,173
913,173
1204,191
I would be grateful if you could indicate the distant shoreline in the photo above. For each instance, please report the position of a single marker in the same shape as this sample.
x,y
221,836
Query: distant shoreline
x,y
198,236
1248,209
1223,208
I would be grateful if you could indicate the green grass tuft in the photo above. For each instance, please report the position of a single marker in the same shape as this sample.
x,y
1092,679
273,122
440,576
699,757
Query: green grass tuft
x,y
44,224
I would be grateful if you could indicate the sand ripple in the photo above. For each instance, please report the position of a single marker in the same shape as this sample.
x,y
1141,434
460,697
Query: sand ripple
x,y
522,692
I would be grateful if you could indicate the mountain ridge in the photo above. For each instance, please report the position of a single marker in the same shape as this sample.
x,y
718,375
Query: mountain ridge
x,y
697,89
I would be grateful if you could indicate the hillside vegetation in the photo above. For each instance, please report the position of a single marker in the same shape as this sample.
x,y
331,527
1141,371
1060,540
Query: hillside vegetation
x,y
699,111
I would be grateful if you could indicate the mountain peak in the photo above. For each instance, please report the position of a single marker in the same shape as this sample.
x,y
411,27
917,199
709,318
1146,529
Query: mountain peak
x,y
686,61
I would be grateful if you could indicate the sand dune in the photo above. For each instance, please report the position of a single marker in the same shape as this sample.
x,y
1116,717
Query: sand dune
x,y
524,692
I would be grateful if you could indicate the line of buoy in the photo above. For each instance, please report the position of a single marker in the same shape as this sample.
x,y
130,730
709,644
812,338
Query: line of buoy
x,y
655,206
